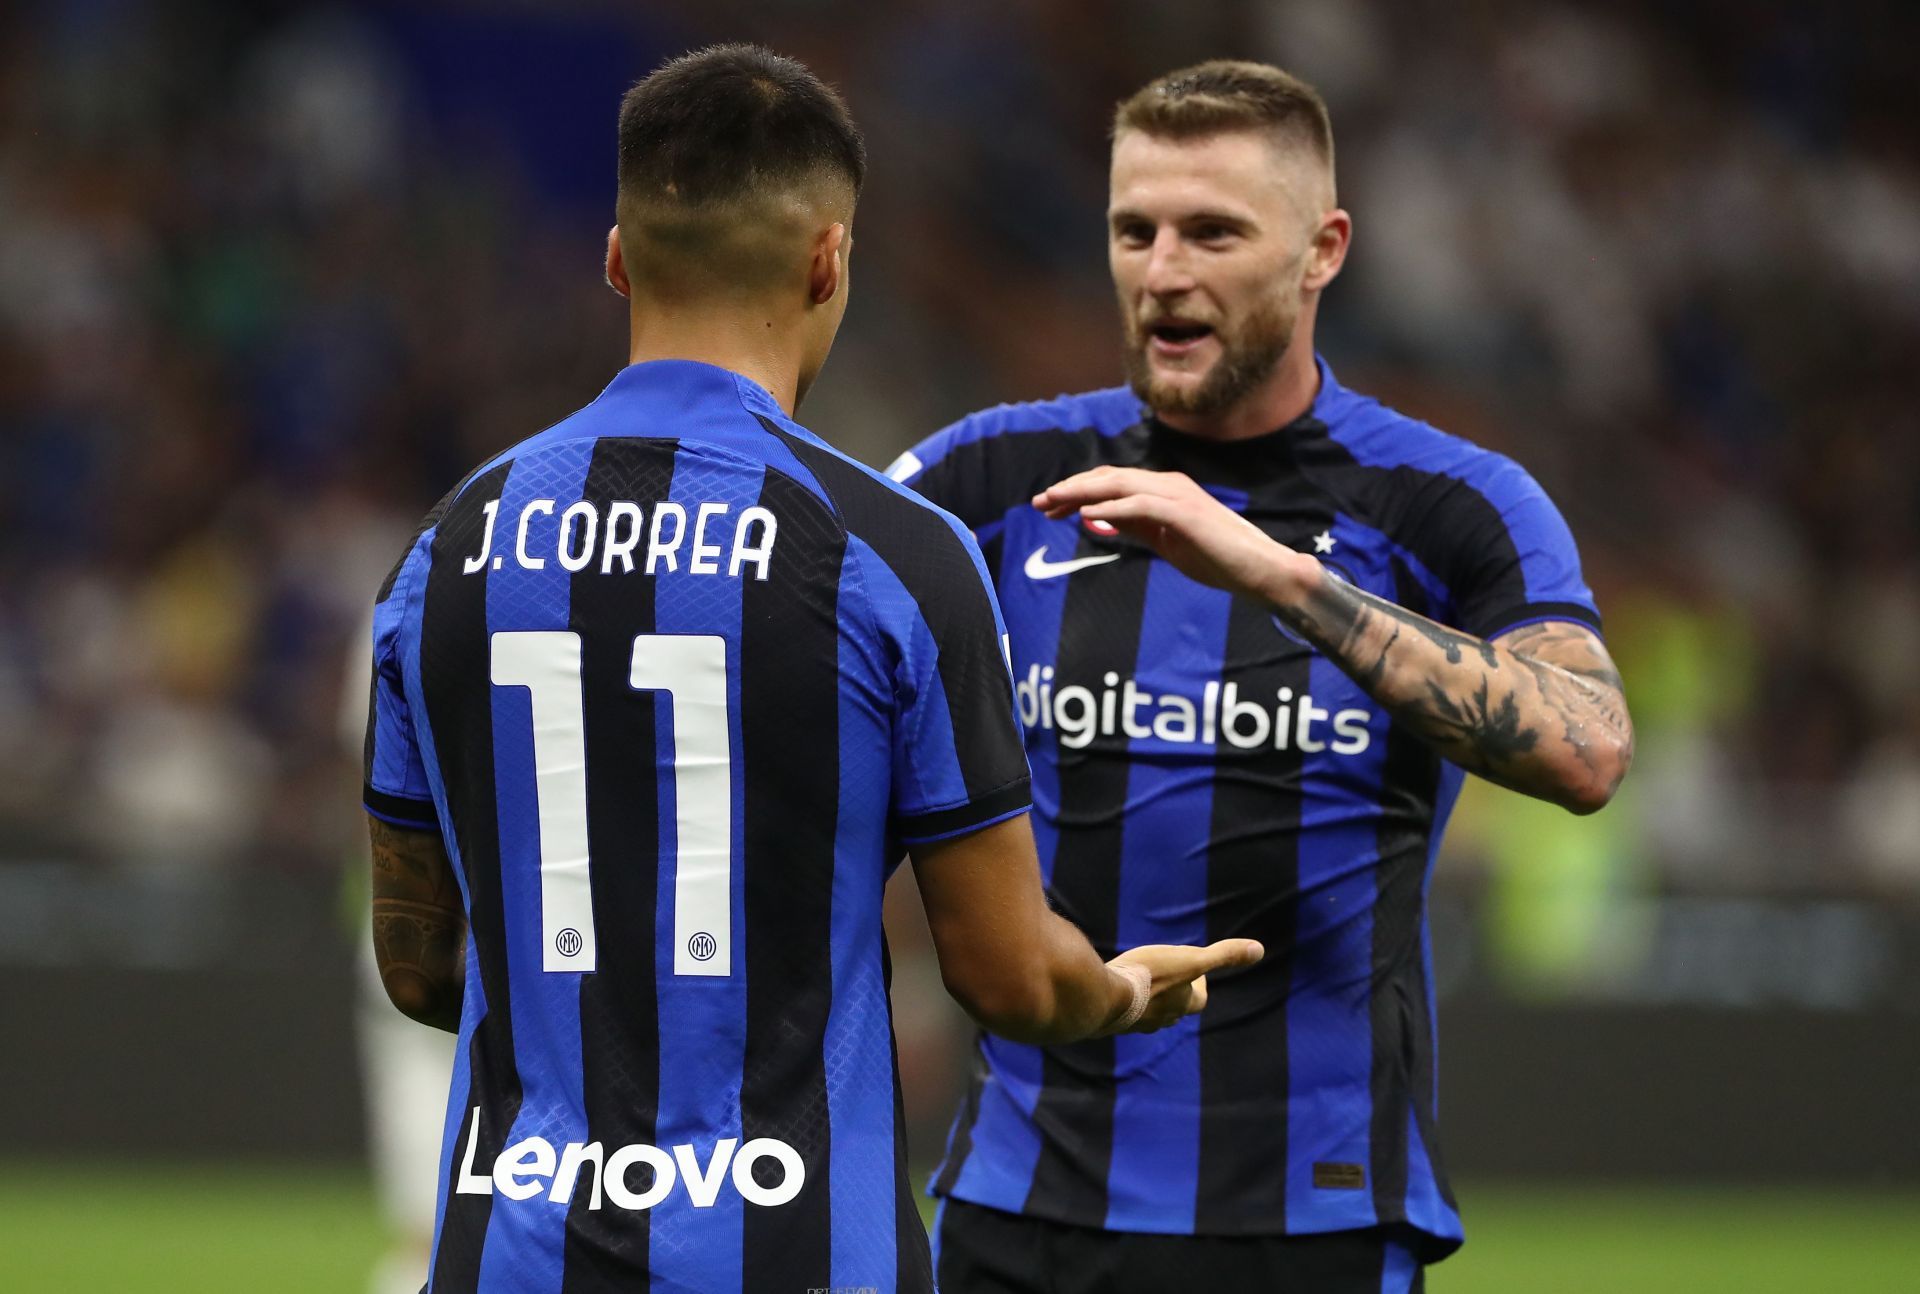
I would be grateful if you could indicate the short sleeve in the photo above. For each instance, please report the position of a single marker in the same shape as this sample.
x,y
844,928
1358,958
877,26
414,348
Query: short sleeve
x,y
1512,558
396,788
958,760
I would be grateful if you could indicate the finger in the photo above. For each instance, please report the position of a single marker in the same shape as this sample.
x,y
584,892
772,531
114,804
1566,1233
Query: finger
x,y
1197,1002
1135,510
1106,483
1229,954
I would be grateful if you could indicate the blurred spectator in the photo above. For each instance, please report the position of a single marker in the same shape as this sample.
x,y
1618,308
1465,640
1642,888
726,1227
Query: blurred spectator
x,y
272,278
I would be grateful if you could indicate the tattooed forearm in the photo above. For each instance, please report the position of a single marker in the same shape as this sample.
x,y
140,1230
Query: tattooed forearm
x,y
1541,711
419,924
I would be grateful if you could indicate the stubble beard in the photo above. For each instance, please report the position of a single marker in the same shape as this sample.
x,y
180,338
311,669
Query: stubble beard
x,y
1246,360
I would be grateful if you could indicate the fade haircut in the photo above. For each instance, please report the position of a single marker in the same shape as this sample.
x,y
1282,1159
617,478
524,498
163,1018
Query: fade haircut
x,y
1226,95
721,152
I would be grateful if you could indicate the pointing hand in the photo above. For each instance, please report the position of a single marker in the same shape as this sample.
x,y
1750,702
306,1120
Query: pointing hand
x,y
1175,977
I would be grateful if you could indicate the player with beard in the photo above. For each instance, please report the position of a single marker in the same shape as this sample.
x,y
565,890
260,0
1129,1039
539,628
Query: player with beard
x,y
1261,626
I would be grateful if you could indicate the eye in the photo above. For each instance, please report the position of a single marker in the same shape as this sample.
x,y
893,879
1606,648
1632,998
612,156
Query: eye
x,y
1211,233
1134,233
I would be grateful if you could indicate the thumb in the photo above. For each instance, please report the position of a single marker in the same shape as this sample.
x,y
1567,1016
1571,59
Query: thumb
x,y
1197,998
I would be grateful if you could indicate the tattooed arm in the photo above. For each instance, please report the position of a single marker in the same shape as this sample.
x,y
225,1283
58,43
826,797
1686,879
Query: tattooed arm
x,y
419,925
1539,710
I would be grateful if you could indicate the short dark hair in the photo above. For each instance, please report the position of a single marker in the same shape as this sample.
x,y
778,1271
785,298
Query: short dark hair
x,y
731,122
1229,94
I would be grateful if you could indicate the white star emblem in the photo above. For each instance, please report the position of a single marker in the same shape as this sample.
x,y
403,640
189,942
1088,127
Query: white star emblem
x,y
1323,542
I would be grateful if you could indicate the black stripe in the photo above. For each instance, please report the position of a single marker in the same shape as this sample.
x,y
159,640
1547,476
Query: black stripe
x,y
1422,791
929,559
607,1249
1099,635
789,715
455,678
428,522
1253,879
373,720
1402,1067
1455,531
992,553
980,480
399,809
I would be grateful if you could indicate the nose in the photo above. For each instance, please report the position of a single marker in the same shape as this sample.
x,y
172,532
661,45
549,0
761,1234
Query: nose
x,y
1168,270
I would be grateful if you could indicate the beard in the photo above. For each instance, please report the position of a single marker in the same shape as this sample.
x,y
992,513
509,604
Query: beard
x,y
1248,356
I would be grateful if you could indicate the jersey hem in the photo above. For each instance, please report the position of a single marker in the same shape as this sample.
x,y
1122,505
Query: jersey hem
x,y
982,811
400,810
1533,613
1430,1245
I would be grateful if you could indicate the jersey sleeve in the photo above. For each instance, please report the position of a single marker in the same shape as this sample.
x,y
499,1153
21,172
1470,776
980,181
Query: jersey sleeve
x,y
958,761
1512,558
396,788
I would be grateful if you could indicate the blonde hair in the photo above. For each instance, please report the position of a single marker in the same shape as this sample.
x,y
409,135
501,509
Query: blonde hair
x,y
1229,94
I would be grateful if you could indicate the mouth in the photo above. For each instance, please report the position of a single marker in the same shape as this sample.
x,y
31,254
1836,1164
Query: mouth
x,y
1176,338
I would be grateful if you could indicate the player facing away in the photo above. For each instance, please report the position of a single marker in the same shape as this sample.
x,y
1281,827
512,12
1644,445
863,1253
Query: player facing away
x,y
1260,625
659,694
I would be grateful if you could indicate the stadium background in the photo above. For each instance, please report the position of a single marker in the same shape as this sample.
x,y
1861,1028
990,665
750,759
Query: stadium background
x,y
272,276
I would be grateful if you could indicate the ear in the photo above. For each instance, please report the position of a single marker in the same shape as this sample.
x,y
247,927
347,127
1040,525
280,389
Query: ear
x,y
1328,251
829,264
616,265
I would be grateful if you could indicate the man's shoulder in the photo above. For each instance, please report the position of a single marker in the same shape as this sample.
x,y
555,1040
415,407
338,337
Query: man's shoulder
x,y
1109,410
1106,412
1376,435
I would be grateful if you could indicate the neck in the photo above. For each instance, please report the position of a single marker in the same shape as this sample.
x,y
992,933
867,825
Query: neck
x,y
1287,393
748,340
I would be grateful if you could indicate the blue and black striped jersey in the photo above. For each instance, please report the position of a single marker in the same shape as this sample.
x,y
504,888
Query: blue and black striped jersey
x,y
1199,772
675,681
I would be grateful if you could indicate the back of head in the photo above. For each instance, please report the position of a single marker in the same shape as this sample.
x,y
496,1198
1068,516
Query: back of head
x,y
1229,95
727,157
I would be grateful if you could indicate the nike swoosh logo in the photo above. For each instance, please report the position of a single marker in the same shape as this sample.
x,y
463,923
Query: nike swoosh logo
x,y
1039,568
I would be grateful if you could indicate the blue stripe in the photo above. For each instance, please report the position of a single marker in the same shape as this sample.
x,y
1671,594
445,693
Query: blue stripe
x,y
1108,412
926,765
526,1239
396,765
1398,1269
1380,437
859,1073
704,1017
1329,1033
1153,1180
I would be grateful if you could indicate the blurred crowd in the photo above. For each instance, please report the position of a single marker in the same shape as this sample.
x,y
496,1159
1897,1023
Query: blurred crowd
x,y
273,277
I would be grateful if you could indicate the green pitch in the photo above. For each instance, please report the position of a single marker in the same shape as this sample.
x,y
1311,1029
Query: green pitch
x,y
210,1230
